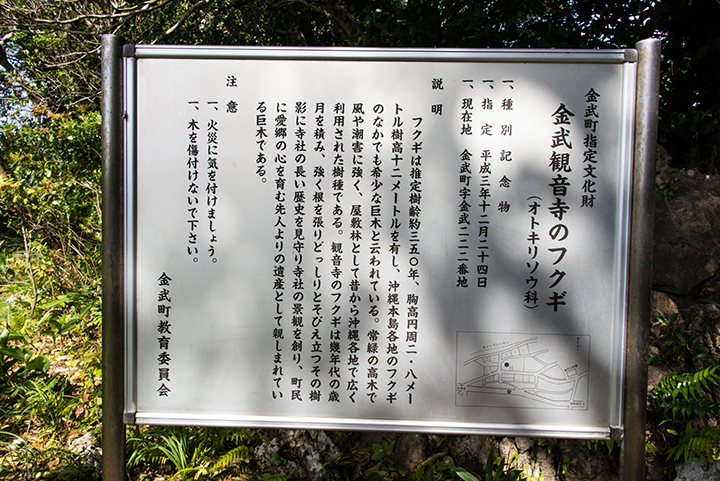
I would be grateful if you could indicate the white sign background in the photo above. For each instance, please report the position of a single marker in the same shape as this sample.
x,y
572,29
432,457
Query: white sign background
x,y
483,361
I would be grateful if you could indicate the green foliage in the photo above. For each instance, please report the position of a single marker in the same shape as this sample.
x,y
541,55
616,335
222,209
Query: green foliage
x,y
68,311
51,181
382,466
690,109
50,195
437,466
667,188
495,470
189,450
239,454
382,451
596,444
18,360
51,46
376,462
49,298
684,396
704,444
19,459
677,345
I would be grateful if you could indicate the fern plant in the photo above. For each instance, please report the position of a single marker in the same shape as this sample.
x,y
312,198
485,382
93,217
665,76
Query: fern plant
x,y
189,450
705,444
239,454
685,395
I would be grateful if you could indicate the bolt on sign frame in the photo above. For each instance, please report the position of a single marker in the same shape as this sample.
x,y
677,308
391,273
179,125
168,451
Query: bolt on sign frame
x,y
408,239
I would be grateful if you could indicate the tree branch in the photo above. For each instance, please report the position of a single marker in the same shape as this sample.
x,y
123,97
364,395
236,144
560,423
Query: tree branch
x,y
145,8
185,16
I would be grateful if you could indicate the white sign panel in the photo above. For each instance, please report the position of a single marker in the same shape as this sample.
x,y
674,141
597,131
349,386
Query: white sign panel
x,y
436,243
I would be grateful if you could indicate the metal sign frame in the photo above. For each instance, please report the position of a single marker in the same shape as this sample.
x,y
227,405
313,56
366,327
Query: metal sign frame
x,y
636,293
192,411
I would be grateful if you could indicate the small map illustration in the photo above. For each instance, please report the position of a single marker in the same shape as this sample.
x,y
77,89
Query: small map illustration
x,y
522,370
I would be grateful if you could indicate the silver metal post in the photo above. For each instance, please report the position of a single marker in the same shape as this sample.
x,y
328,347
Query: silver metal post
x,y
113,429
640,275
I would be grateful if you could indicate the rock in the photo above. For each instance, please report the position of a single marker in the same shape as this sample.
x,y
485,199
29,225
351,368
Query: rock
x,y
301,451
655,374
90,454
658,471
687,222
590,464
269,459
508,450
410,451
471,452
698,471
545,466
524,444
705,318
662,305
538,466
82,443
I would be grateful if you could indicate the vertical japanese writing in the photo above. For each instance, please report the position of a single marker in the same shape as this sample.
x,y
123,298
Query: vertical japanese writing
x,y
397,134
356,226
559,232
163,328
483,225
411,339
193,201
414,210
205,151
211,189
344,239
298,242
531,295
484,193
590,142
337,253
280,226
414,200
231,107
466,116
318,225
504,155
475,176
375,251
260,135
464,208
367,248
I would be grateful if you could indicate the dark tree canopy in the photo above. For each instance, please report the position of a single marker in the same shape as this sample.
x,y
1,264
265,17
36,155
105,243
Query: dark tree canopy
x,y
49,50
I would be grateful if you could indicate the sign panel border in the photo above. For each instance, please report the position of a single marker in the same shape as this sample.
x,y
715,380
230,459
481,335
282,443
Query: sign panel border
x,y
626,57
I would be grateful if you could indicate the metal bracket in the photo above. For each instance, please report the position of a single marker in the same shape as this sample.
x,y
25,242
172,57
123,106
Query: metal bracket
x,y
129,50
631,55
129,418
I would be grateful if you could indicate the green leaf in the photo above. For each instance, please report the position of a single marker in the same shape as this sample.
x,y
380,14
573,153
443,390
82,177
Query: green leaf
x,y
39,364
60,300
465,475
15,353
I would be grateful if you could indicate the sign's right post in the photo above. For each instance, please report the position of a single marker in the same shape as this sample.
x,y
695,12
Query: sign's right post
x,y
632,457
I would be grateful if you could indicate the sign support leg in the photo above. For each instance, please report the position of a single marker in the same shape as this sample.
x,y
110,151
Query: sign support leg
x,y
113,429
640,274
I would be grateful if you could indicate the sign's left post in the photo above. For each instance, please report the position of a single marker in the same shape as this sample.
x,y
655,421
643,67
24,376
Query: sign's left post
x,y
113,335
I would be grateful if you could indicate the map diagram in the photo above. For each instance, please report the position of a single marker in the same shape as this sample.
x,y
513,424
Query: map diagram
x,y
522,370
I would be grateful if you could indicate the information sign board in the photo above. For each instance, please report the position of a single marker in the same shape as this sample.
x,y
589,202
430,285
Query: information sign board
x,y
416,240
